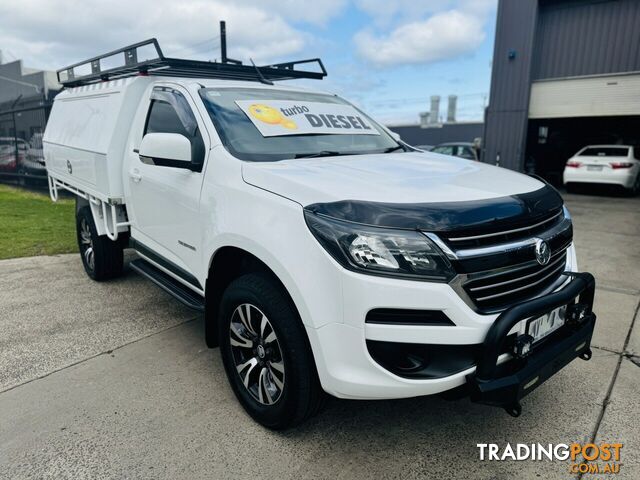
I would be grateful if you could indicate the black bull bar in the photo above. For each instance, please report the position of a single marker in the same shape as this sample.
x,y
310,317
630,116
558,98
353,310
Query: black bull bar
x,y
504,386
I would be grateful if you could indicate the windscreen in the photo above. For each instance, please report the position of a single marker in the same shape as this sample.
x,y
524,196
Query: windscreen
x,y
605,152
268,125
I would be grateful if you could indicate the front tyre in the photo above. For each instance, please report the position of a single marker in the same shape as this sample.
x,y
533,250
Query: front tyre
x,y
102,258
266,354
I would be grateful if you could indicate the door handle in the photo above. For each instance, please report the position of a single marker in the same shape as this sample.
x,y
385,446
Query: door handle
x,y
135,176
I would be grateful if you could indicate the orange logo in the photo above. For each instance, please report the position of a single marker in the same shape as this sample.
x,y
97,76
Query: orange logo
x,y
271,115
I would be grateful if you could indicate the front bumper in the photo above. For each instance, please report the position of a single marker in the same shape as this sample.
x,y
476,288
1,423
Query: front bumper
x,y
345,365
506,384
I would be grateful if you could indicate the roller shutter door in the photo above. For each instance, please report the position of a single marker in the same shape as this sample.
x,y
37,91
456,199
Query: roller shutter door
x,y
586,97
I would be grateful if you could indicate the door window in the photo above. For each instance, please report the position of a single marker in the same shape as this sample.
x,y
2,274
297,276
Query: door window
x,y
466,152
445,150
164,119
170,112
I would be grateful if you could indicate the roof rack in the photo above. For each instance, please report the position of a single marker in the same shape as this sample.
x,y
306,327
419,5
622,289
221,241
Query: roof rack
x,y
146,58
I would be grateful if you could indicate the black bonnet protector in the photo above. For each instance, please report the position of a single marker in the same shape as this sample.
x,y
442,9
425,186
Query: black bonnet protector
x,y
460,217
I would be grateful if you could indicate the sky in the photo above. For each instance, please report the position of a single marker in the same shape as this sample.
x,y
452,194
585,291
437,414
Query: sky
x,y
387,56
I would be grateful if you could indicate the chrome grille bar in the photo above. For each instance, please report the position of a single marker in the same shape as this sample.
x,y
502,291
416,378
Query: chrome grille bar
x,y
515,268
515,290
497,248
505,232
519,279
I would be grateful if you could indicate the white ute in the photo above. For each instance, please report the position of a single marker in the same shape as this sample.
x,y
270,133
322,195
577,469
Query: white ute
x,y
326,255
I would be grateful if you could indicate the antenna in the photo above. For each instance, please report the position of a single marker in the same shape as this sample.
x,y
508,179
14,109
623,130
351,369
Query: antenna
x,y
223,45
259,73
223,41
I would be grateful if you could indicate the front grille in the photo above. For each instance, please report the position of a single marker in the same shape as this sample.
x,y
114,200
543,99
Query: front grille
x,y
489,235
510,285
498,269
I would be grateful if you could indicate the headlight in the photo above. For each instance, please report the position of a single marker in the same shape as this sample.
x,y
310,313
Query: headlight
x,y
381,251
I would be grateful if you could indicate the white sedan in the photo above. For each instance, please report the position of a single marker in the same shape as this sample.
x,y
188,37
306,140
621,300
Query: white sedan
x,y
604,164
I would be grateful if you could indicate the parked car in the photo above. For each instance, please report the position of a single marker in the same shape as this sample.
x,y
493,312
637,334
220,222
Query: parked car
x,y
12,152
33,163
604,164
325,255
465,150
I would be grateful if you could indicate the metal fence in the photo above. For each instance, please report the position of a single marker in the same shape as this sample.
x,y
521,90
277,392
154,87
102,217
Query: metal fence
x,y
21,130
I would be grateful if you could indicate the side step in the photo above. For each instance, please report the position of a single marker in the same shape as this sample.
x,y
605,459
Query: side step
x,y
168,284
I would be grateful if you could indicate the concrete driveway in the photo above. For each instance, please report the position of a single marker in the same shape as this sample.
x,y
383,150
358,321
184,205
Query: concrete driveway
x,y
114,380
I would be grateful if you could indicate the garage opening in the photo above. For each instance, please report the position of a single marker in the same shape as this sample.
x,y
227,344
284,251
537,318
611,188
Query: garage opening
x,y
551,142
567,114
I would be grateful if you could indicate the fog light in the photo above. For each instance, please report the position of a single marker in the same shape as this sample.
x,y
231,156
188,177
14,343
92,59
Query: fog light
x,y
523,346
577,313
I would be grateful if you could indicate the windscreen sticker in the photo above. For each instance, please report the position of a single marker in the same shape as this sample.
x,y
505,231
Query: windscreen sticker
x,y
275,118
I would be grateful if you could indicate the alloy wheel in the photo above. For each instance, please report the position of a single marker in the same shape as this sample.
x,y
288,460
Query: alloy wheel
x,y
256,354
86,245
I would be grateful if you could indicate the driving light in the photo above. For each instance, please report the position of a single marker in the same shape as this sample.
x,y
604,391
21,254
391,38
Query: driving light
x,y
380,251
523,346
577,313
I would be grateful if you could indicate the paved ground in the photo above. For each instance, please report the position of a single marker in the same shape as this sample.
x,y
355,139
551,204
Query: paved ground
x,y
114,381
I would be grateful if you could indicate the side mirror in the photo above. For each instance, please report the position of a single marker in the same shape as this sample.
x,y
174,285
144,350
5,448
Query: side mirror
x,y
395,136
166,150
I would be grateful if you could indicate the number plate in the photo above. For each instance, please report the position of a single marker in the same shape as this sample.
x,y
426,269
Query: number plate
x,y
594,168
542,326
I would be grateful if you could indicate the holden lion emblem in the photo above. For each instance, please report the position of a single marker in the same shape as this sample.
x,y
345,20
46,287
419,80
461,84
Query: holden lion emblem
x,y
543,252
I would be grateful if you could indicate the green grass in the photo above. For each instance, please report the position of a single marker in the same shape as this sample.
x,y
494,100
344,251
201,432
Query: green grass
x,y
31,224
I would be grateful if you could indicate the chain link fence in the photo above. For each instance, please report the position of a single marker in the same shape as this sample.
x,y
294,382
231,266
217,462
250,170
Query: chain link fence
x,y
21,130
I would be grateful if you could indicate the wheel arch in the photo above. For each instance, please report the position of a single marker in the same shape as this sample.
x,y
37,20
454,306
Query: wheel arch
x,y
228,263
81,202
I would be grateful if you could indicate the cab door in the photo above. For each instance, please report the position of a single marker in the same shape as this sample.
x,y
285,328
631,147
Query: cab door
x,y
165,200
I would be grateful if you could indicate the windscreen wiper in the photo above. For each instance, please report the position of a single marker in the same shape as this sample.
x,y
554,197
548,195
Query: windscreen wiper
x,y
394,149
322,153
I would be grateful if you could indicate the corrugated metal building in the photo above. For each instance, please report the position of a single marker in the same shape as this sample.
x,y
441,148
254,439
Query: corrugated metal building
x,y
434,135
566,73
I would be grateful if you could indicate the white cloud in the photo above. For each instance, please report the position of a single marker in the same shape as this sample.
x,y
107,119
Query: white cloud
x,y
52,34
384,11
444,35
318,13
